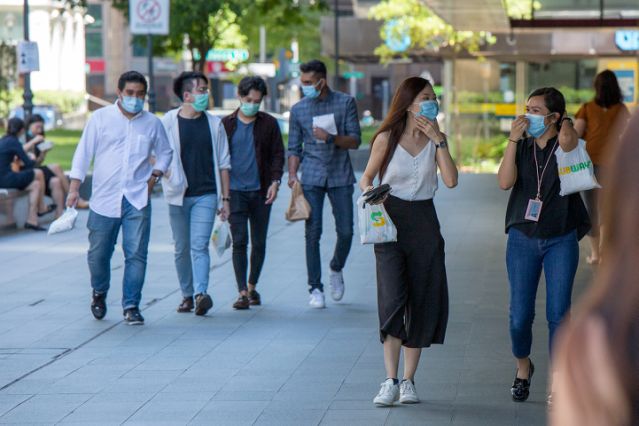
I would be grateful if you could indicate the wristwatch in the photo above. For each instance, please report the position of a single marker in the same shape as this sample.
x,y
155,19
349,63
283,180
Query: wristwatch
x,y
442,144
567,118
277,181
158,176
226,199
330,138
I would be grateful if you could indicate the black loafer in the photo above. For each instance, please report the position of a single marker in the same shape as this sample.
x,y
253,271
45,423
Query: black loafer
x,y
34,227
521,387
98,305
50,208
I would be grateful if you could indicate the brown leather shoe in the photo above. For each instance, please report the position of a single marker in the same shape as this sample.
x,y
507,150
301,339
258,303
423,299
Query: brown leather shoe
x,y
254,298
203,303
242,302
186,305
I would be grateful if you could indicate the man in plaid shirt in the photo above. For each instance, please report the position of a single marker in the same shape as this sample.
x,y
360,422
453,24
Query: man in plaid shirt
x,y
324,125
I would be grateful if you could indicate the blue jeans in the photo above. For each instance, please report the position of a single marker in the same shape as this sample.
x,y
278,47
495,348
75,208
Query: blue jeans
x,y
525,258
341,199
192,224
103,234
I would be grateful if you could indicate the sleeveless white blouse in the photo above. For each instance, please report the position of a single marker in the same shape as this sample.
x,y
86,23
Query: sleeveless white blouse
x,y
412,178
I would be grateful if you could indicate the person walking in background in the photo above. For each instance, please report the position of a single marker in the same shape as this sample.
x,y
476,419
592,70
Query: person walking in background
x,y
56,182
597,359
196,186
543,227
257,163
120,140
412,289
324,125
599,122
28,179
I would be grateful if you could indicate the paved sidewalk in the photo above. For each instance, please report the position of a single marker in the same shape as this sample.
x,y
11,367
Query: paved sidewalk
x,y
281,363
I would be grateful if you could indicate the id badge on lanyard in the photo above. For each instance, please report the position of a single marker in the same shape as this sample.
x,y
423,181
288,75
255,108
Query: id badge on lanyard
x,y
533,211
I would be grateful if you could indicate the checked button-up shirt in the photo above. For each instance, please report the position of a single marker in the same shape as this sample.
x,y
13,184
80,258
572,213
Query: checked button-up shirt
x,y
323,164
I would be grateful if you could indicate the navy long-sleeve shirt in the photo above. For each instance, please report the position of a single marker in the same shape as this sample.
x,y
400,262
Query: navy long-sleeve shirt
x,y
10,147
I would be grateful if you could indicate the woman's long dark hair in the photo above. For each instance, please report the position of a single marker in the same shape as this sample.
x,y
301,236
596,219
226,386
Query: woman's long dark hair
x,y
607,90
14,126
395,121
35,118
614,297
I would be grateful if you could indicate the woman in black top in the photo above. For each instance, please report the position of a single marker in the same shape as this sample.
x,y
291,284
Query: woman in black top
x,y
56,183
29,179
543,227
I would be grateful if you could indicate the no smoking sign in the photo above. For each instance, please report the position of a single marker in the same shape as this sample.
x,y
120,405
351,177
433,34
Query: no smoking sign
x,y
149,11
149,16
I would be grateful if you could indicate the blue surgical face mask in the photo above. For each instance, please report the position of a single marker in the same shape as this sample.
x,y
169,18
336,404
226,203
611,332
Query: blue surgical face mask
x,y
311,91
132,104
249,109
536,126
201,102
429,109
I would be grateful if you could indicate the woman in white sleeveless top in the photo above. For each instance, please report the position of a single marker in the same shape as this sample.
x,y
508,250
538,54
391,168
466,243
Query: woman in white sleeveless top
x,y
412,291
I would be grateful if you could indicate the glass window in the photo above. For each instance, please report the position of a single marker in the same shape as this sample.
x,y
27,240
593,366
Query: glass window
x,y
139,47
95,11
94,45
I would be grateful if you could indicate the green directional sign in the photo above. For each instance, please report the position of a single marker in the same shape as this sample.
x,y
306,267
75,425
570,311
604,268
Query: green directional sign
x,y
225,55
353,74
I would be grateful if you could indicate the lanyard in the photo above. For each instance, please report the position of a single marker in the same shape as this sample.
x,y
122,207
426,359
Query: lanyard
x,y
540,178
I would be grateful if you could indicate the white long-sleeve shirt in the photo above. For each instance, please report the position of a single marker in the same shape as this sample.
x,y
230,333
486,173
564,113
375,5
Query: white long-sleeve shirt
x,y
121,149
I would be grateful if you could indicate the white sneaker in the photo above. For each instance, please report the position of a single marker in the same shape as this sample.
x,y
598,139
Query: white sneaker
x,y
316,299
337,284
388,393
407,392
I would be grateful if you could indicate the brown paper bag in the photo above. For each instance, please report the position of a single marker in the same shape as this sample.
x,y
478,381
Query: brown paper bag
x,y
298,208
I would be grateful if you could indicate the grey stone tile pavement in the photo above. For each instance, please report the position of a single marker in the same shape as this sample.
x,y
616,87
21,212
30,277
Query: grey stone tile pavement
x,y
278,364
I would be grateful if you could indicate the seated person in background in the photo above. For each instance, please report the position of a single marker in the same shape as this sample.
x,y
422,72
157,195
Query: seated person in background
x,y
56,182
28,179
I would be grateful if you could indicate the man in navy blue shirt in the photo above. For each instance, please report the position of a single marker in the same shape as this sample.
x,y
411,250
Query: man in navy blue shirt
x,y
324,125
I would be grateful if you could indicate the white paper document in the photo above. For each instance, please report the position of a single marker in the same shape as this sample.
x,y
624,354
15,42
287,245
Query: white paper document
x,y
326,122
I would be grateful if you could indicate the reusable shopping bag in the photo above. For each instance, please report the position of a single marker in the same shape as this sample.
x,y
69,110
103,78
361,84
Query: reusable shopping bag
x,y
221,237
298,208
375,225
576,172
65,222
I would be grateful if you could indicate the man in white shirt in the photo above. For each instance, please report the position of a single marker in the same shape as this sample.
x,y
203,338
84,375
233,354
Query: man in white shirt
x,y
120,139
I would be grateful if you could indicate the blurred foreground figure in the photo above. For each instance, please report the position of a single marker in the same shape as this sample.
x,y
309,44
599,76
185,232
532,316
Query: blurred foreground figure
x,y
598,354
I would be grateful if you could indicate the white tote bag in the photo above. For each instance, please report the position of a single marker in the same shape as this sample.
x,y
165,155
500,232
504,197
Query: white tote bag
x,y
576,172
221,236
375,225
65,222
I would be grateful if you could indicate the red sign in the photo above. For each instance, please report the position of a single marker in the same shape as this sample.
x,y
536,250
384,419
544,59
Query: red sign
x,y
95,65
214,67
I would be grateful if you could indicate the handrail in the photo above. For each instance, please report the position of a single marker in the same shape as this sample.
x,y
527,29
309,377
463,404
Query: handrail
x,y
96,100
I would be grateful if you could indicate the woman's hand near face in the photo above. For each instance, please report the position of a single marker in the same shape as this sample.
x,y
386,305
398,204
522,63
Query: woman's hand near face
x,y
518,127
429,128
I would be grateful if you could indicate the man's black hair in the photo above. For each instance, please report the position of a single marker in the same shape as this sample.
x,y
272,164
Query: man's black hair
x,y
186,81
132,77
315,66
14,126
251,83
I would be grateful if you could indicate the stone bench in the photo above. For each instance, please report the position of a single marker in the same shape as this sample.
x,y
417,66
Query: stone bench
x,y
14,208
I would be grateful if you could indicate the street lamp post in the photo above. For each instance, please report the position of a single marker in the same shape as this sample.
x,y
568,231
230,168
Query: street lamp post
x,y
28,95
336,80
149,46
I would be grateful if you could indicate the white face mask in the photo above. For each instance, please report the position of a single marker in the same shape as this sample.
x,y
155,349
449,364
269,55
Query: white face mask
x,y
22,138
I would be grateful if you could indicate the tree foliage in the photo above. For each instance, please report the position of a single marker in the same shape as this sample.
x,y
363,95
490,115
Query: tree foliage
x,y
201,25
8,73
428,32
